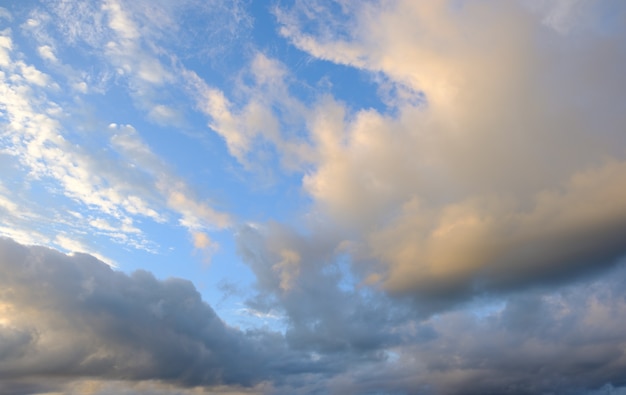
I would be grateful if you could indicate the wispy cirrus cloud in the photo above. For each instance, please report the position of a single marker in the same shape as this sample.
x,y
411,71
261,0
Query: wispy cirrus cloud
x,y
265,111
37,133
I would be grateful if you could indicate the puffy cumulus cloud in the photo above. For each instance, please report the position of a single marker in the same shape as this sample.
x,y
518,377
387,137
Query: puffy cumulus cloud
x,y
503,166
67,318
483,244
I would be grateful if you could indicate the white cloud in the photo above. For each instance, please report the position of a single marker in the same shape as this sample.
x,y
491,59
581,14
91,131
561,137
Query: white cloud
x,y
164,115
126,52
120,21
24,235
74,246
6,45
34,76
140,186
247,125
8,205
81,87
47,53
195,215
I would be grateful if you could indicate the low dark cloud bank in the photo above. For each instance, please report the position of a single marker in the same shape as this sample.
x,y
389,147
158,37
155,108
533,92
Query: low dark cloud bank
x,y
71,318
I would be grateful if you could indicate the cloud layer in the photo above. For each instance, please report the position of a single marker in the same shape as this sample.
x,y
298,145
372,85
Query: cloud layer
x,y
74,317
71,323
462,232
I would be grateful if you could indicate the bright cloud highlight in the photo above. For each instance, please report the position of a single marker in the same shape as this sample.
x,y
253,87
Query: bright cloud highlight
x,y
312,197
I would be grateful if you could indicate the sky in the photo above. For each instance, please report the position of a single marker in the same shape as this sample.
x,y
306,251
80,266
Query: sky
x,y
312,197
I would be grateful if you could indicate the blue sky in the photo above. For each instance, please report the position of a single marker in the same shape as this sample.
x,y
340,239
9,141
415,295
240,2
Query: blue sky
x,y
284,197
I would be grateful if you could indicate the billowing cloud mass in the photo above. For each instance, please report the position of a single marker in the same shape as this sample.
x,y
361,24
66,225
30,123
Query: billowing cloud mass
x,y
72,324
395,197
505,163
74,316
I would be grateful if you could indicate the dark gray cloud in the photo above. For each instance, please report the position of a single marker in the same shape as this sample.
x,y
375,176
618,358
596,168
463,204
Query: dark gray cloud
x,y
569,341
557,339
303,277
73,316
71,323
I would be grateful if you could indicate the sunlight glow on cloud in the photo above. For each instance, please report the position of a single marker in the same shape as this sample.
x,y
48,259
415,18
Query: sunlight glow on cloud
x,y
312,197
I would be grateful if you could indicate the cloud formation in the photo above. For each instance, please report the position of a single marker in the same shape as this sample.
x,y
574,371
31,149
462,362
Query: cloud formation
x,y
120,184
563,340
500,168
73,317
463,234
88,326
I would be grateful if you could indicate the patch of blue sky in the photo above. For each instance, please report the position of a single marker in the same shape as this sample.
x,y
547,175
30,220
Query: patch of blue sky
x,y
483,308
313,76
87,124
185,145
340,270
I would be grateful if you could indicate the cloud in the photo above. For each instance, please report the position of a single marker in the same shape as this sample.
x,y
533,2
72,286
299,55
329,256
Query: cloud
x,y
128,38
302,278
47,53
116,192
565,16
134,41
87,320
164,115
103,387
565,341
288,268
267,112
465,237
5,14
88,328
74,246
203,243
485,184
6,45
42,147
177,196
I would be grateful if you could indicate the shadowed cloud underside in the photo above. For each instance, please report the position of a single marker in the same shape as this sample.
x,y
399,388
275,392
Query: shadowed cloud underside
x,y
312,197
